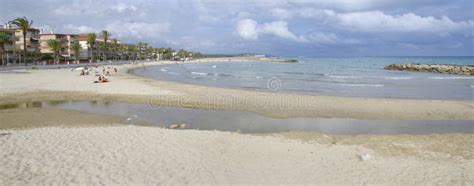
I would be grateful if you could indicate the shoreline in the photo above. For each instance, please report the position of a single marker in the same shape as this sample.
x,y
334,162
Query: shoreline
x,y
125,87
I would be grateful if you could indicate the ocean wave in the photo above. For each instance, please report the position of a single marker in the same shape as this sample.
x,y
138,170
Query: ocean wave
x,y
316,74
344,77
224,75
258,77
399,78
472,86
200,73
163,70
452,77
363,85
296,73
174,73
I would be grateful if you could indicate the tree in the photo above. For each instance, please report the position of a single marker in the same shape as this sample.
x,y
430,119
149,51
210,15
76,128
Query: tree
x,y
3,39
183,53
24,24
115,48
76,47
102,47
134,51
91,37
56,47
105,34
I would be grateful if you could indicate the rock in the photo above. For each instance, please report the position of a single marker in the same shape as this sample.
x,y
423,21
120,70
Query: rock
x,y
173,126
182,126
435,68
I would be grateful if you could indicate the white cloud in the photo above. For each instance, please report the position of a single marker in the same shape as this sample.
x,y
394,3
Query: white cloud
x,y
122,7
281,13
78,29
247,29
280,29
377,21
137,30
250,30
329,38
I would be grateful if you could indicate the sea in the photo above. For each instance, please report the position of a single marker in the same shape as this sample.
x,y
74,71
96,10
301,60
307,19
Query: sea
x,y
349,77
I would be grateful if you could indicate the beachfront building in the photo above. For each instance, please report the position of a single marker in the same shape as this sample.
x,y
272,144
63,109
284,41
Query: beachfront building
x,y
66,41
9,49
14,48
32,39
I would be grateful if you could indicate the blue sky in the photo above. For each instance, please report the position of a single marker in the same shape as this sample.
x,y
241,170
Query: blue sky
x,y
275,27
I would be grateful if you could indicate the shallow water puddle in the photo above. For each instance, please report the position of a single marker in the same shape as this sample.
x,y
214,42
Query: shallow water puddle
x,y
248,122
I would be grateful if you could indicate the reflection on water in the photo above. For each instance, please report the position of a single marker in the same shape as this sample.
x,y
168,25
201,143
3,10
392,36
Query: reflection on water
x,y
248,122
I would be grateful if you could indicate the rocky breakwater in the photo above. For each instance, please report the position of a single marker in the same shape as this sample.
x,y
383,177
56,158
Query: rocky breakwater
x,y
435,68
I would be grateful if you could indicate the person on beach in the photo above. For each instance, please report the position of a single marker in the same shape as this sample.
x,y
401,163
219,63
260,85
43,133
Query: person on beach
x,y
102,79
115,70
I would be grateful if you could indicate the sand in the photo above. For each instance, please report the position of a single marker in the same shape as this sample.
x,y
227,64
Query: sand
x,y
62,84
150,155
52,146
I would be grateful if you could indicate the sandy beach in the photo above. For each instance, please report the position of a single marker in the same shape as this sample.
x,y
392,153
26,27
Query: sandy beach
x,y
53,146
62,84
145,155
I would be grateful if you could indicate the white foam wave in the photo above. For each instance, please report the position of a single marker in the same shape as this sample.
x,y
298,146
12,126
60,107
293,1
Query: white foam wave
x,y
343,77
363,85
258,77
163,70
399,78
472,86
199,73
452,77
174,73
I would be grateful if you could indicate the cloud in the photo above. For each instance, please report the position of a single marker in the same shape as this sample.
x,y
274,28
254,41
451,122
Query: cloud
x,y
281,13
250,30
329,38
122,7
247,29
77,29
138,30
377,21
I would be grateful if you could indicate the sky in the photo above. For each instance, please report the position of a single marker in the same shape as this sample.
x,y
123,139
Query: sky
x,y
316,28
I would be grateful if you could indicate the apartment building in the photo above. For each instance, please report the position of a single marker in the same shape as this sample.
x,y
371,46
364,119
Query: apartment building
x,y
9,48
66,41
32,39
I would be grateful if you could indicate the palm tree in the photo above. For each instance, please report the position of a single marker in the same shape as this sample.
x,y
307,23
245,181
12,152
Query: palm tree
x,y
3,39
105,34
24,24
123,51
76,47
140,47
56,47
134,51
115,48
102,47
91,42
